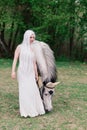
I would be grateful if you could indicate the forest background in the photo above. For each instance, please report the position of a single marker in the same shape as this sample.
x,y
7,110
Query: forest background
x,y
60,23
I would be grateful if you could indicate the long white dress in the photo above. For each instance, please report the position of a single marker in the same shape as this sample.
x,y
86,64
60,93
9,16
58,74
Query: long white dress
x,y
30,102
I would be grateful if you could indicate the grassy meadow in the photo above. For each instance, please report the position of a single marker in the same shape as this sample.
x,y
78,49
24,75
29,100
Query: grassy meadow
x,y
69,101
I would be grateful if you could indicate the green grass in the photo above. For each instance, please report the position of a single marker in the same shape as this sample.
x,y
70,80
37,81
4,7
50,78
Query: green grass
x,y
69,101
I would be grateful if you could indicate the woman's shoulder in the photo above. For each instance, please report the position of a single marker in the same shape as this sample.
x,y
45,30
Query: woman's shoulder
x,y
18,48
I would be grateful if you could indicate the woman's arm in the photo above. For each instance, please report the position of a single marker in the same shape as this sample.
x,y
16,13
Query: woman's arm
x,y
16,56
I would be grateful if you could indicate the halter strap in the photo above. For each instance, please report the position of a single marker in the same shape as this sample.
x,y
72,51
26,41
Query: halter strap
x,y
49,87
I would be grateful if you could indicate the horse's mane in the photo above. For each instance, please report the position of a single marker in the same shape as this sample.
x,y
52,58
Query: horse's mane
x,y
45,61
50,62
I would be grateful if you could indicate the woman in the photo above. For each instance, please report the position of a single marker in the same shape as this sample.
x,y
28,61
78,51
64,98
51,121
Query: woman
x,y
30,101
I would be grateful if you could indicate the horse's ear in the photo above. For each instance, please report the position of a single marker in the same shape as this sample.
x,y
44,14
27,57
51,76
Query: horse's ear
x,y
52,85
56,83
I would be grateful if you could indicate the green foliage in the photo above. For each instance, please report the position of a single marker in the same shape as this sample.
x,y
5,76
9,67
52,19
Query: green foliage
x,y
61,23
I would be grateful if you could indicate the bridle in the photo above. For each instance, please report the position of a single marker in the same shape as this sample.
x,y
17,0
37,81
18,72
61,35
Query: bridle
x,y
49,87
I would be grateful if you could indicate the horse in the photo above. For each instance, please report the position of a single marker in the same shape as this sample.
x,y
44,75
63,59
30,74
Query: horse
x,y
47,72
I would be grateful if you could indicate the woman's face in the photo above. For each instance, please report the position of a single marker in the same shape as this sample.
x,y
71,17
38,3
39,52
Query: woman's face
x,y
32,38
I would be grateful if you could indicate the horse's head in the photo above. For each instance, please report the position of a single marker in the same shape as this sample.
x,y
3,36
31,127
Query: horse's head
x,y
48,91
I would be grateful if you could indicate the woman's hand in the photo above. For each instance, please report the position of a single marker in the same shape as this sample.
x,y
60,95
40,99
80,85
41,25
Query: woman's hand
x,y
13,75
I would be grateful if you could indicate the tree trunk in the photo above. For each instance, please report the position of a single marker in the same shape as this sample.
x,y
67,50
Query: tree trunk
x,y
72,26
14,40
3,42
11,34
2,36
3,46
71,41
